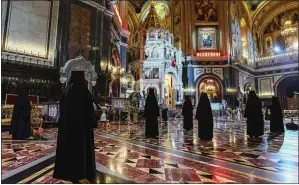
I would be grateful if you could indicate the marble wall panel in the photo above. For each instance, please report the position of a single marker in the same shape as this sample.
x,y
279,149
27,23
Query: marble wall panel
x,y
53,31
28,27
3,15
79,31
265,86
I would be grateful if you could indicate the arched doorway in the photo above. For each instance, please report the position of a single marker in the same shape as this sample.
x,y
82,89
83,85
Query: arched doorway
x,y
115,74
212,86
287,90
170,90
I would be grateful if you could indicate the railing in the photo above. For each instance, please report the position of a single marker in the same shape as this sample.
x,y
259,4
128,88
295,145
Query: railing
x,y
17,58
276,60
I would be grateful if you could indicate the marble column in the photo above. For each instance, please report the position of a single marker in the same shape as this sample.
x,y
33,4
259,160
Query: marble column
x,y
223,24
124,47
62,40
190,76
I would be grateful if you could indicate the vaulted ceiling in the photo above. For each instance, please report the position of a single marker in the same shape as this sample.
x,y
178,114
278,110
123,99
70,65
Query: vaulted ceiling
x,y
138,11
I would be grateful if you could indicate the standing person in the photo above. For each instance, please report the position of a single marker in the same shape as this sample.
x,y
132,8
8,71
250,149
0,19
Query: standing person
x,y
254,115
205,118
75,158
164,110
188,114
276,120
20,126
151,112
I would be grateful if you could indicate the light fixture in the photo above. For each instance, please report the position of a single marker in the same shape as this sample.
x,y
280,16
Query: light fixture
x,y
277,49
295,45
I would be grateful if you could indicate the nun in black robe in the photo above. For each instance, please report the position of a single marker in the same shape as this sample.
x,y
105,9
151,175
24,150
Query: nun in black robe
x,y
151,112
20,126
254,115
75,158
205,118
188,114
276,120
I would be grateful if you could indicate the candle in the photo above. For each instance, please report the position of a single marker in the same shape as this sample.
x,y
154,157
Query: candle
x,y
16,49
31,52
24,51
37,53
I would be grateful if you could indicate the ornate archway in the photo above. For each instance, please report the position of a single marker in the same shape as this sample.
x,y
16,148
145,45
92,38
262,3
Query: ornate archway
x,y
211,84
287,88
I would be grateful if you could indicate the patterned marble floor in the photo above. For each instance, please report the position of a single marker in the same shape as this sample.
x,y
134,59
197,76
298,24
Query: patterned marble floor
x,y
176,157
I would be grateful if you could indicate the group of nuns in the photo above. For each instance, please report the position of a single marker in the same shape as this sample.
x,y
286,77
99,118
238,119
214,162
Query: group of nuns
x,y
204,116
75,156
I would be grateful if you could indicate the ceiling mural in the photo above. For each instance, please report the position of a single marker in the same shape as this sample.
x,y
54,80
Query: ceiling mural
x,y
138,4
253,4
162,9
206,11
277,23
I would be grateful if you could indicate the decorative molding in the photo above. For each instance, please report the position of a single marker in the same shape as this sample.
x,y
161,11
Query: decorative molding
x,y
276,78
208,70
218,72
198,72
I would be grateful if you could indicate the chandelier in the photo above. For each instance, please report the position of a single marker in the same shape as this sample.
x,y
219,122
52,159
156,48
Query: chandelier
x,y
288,29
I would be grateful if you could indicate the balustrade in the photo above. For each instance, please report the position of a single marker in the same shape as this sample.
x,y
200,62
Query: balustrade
x,y
17,58
281,59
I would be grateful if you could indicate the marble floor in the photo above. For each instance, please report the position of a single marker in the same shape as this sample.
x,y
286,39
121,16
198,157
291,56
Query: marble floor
x,y
124,155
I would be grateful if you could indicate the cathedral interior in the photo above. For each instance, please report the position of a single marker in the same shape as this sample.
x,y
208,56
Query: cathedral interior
x,y
224,49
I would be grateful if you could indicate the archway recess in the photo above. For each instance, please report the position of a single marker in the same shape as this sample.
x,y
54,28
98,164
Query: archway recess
x,y
170,91
212,86
287,89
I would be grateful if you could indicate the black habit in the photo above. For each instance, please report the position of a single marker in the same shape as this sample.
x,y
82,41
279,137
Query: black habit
x,y
254,115
276,120
188,114
205,118
151,112
75,158
20,126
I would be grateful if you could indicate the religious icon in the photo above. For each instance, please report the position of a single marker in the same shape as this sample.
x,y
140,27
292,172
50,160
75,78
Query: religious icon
x,y
207,42
207,39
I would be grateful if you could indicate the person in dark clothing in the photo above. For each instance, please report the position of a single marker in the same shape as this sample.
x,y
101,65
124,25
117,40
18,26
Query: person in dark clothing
x,y
20,126
254,115
75,158
188,114
205,118
151,112
292,125
276,120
